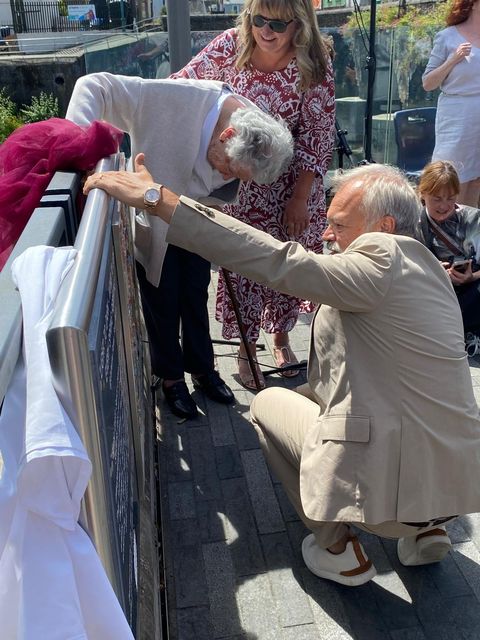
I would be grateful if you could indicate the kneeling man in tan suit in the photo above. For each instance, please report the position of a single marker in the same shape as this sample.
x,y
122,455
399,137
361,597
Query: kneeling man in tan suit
x,y
386,435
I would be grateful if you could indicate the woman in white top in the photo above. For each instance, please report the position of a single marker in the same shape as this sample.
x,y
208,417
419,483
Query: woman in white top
x,y
454,66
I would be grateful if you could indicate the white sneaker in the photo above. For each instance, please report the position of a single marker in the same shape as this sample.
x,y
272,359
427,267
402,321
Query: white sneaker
x,y
426,548
351,568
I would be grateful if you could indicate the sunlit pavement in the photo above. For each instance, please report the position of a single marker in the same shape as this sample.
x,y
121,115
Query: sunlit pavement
x,y
232,541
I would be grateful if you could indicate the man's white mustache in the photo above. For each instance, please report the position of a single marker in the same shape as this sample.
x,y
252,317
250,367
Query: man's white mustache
x,y
330,247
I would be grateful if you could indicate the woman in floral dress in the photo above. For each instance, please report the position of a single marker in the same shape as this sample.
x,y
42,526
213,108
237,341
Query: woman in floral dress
x,y
277,58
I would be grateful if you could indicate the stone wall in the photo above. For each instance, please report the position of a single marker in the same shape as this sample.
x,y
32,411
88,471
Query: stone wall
x,y
222,21
24,77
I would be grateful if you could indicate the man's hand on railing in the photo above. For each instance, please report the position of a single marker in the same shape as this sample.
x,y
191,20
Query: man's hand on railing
x,y
130,187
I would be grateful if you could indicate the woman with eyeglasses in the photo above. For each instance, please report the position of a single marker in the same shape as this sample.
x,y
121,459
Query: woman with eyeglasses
x,y
277,58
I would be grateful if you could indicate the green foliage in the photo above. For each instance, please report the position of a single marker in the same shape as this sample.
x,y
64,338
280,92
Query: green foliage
x,y
408,36
41,108
7,106
421,21
8,119
62,8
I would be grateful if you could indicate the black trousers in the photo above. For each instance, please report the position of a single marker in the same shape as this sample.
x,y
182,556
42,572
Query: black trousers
x,y
469,300
178,307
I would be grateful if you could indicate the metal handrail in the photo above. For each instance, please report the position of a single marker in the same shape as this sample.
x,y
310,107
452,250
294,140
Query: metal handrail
x,y
67,340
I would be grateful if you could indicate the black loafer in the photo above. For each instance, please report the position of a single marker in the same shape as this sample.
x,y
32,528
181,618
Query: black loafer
x,y
214,387
180,401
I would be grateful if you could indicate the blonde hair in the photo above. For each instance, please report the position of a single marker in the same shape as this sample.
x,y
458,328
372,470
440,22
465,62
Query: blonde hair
x,y
311,49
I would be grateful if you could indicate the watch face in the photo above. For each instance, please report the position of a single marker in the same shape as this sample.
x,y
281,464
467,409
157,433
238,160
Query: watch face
x,y
152,196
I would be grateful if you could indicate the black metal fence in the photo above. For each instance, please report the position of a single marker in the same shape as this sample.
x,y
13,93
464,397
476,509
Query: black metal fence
x,y
46,16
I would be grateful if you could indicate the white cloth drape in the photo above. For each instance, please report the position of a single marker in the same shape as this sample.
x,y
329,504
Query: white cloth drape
x,y
52,584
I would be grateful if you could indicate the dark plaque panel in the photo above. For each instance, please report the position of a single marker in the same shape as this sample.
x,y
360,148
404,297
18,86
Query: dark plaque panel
x,y
107,354
138,365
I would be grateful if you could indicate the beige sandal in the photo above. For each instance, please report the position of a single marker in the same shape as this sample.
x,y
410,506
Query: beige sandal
x,y
284,356
246,376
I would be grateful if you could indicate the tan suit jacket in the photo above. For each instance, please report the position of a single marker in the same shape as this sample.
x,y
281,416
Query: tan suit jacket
x,y
398,431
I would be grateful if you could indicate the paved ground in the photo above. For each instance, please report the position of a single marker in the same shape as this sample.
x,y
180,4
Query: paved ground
x,y
232,544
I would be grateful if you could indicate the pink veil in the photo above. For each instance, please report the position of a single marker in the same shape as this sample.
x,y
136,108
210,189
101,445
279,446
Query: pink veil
x,y
30,156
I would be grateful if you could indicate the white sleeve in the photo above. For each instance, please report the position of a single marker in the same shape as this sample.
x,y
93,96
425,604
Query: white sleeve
x,y
104,96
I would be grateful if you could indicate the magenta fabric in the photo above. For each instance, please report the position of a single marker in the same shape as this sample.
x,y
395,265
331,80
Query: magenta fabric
x,y
30,156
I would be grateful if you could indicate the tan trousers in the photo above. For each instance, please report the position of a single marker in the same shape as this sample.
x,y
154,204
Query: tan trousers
x,y
282,418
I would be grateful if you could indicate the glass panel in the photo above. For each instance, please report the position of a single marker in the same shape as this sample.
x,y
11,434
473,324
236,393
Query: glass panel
x,y
401,57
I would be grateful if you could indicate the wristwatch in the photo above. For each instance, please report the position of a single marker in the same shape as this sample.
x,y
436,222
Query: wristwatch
x,y
152,196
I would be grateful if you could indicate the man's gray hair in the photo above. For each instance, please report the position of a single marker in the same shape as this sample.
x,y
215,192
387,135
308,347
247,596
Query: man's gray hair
x,y
385,192
262,144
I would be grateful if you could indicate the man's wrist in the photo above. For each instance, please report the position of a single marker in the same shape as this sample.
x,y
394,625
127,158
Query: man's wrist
x,y
152,196
166,206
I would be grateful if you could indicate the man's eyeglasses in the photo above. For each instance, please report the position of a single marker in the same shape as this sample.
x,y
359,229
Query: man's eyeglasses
x,y
278,26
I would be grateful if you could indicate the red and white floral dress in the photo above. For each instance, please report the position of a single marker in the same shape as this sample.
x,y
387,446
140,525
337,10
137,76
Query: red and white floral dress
x,y
310,115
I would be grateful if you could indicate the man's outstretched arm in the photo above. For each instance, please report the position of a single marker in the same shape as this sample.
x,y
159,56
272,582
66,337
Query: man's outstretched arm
x,y
129,187
353,281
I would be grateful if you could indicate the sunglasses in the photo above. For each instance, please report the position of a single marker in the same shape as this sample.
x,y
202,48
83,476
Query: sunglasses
x,y
278,26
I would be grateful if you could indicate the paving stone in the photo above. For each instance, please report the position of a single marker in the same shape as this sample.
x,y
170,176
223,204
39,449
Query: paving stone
x,y
297,531
291,600
220,577
184,533
393,602
258,612
189,572
444,631
467,558
408,634
392,598
418,582
326,603
245,435
448,578
206,481
466,613
363,613
462,529
435,612
180,500
265,506
228,461
241,532
375,551
470,634
288,512
194,624
175,435
177,456
220,424
210,520
471,525
303,632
